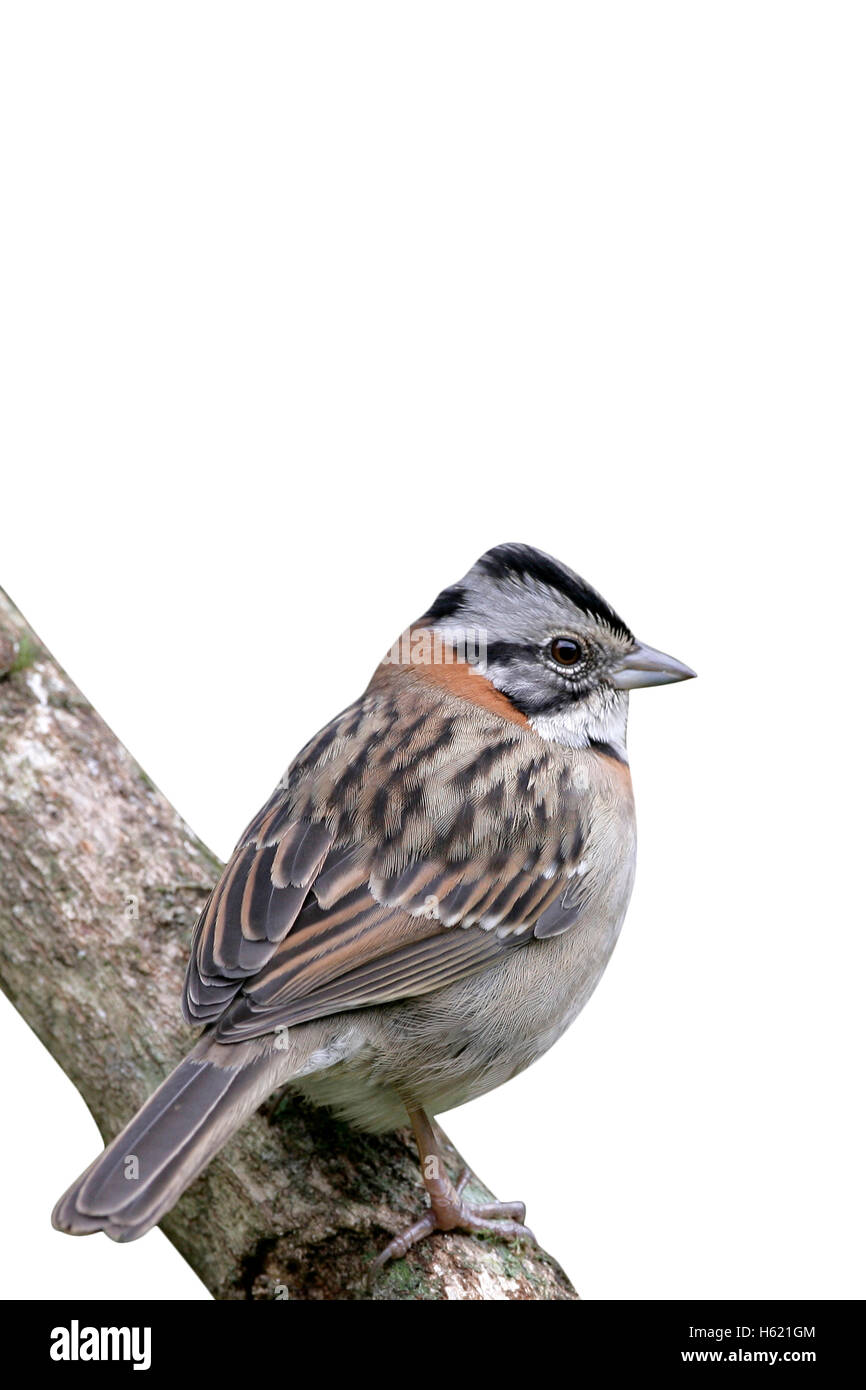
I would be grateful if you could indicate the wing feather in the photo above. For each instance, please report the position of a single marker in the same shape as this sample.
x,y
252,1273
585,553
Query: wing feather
x,y
252,907
385,866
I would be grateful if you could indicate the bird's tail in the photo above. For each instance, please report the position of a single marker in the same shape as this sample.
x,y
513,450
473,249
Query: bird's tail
x,y
142,1173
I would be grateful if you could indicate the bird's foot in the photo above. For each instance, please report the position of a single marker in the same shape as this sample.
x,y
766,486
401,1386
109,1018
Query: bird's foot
x,y
448,1212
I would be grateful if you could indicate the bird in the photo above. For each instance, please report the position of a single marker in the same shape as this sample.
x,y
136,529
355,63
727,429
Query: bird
x,y
423,905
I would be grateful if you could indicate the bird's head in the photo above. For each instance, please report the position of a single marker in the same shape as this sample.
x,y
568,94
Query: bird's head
x,y
549,643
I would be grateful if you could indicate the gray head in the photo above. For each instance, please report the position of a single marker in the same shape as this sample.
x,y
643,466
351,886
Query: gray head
x,y
550,642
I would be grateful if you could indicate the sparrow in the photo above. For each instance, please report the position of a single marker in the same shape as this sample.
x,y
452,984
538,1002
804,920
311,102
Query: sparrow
x,y
424,904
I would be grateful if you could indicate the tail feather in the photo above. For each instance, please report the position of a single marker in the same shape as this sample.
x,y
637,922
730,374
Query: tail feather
x,y
165,1146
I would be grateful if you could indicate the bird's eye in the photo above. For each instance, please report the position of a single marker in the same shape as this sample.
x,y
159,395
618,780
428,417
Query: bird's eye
x,y
565,651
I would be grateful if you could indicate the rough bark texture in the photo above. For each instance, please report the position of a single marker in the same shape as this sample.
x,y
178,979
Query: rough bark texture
x,y
100,884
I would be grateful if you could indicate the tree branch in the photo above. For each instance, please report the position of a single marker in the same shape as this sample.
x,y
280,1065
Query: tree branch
x,y
100,884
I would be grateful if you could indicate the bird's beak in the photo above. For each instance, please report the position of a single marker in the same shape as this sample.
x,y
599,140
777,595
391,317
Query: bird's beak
x,y
645,666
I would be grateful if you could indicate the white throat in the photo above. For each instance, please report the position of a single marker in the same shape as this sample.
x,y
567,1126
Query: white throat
x,y
600,718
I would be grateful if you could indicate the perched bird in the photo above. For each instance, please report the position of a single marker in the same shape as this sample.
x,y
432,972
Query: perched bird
x,y
424,904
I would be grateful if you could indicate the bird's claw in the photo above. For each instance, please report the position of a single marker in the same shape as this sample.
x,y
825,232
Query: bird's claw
x,y
503,1219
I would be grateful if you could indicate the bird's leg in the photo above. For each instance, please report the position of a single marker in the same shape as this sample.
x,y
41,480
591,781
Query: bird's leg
x,y
447,1210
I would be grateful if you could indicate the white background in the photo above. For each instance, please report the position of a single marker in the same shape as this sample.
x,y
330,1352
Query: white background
x,y
304,307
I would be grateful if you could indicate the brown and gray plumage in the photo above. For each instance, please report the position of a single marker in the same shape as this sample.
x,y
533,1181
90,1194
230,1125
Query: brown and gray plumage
x,y
426,901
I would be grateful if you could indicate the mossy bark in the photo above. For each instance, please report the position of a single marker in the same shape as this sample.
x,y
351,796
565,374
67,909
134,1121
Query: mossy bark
x,y
100,884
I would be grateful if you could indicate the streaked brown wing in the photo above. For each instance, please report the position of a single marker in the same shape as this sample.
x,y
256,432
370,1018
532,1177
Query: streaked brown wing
x,y
257,899
355,944
386,867
352,955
